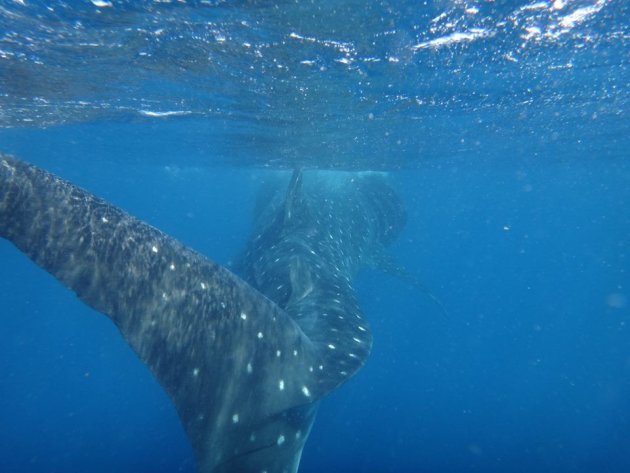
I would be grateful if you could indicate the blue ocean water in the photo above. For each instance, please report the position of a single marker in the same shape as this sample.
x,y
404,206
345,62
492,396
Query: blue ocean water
x,y
505,128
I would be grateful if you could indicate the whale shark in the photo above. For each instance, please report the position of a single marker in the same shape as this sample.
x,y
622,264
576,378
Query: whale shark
x,y
245,355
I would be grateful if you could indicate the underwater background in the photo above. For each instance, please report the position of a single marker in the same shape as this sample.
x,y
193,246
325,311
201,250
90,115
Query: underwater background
x,y
505,128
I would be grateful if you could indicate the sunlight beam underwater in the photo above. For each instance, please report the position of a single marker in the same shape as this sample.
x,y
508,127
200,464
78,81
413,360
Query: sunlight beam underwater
x,y
246,360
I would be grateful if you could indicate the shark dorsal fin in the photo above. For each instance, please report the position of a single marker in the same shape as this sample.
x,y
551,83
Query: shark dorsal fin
x,y
294,194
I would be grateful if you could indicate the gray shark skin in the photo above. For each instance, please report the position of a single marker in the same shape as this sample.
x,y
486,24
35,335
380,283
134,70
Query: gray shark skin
x,y
246,360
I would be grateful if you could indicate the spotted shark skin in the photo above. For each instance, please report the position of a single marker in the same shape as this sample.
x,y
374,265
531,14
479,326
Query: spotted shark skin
x,y
245,360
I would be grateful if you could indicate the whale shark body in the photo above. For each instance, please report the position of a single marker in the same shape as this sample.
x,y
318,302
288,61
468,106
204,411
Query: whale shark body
x,y
244,359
